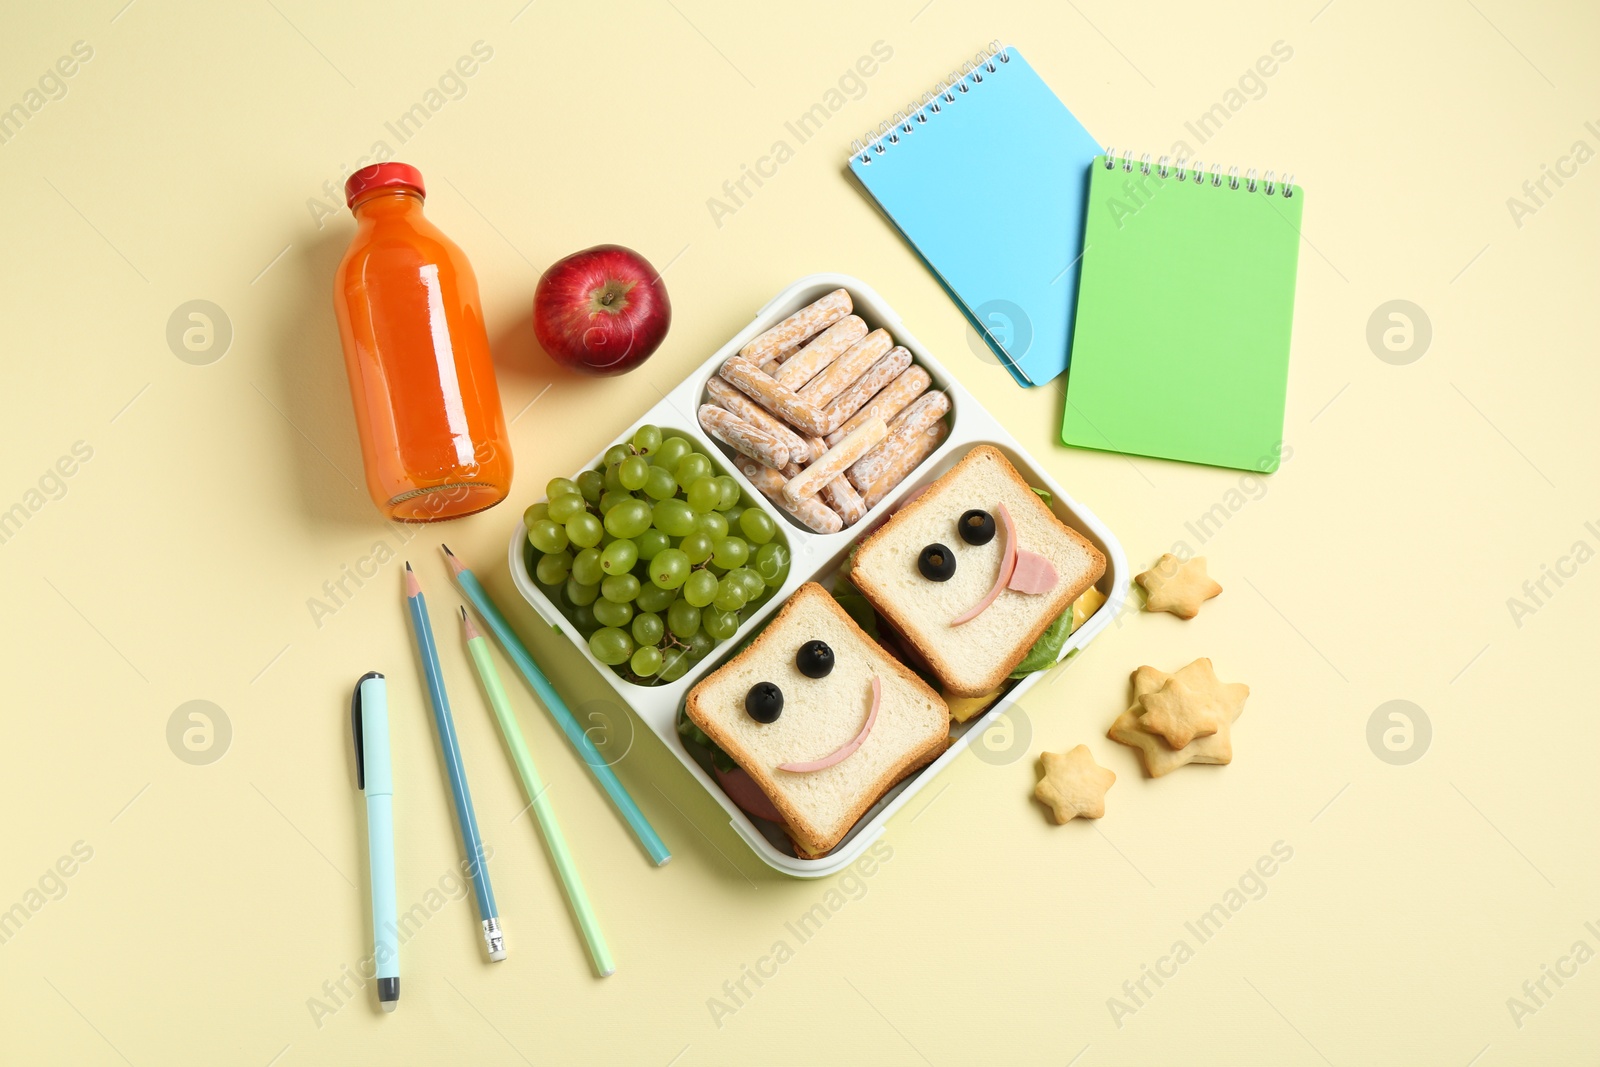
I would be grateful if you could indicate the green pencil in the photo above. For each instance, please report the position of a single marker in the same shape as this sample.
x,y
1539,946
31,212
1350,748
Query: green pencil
x,y
582,910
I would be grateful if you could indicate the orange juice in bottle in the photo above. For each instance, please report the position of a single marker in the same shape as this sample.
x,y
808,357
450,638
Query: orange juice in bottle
x,y
433,437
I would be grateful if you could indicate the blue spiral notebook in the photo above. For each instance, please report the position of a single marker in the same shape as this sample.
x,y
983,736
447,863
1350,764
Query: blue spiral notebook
x,y
987,180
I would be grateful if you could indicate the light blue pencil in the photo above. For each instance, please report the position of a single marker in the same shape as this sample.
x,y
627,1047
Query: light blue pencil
x,y
558,710
478,864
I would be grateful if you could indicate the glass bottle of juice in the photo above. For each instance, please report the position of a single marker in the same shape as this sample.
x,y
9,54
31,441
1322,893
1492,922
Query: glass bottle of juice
x,y
433,437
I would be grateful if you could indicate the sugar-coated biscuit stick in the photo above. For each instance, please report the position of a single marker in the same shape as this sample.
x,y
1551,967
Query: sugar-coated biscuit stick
x,y
773,363
905,461
815,447
817,516
842,497
772,395
725,395
914,420
820,352
855,395
809,320
889,402
843,372
836,461
743,437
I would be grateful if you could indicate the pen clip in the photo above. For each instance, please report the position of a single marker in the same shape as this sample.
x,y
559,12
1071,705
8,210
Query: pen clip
x,y
355,729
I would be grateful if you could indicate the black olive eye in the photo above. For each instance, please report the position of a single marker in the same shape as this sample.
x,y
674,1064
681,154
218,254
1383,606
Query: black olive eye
x,y
764,702
936,563
815,659
976,527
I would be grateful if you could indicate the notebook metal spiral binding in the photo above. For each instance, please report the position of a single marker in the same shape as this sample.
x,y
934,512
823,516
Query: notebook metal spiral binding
x,y
1197,173
905,123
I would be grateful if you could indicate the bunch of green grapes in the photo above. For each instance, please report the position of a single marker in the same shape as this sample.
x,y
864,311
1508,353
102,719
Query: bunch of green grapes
x,y
653,556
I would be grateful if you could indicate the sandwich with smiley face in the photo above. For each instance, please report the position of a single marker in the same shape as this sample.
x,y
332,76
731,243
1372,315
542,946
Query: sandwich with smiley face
x,y
973,570
820,718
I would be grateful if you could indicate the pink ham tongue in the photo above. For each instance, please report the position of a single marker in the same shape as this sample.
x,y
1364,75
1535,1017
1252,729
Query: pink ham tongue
x,y
1033,574
1008,563
847,748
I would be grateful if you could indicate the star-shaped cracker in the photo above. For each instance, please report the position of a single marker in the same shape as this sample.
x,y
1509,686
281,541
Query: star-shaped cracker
x,y
1073,784
1181,713
1179,588
1161,758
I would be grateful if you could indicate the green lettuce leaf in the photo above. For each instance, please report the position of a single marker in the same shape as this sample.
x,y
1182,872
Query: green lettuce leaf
x,y
1044,652
1045,495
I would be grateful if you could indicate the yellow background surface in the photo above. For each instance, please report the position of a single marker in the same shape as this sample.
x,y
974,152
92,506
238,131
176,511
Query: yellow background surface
x,y
186,159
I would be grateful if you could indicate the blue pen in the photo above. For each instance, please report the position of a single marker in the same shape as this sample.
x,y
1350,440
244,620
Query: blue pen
x,y
369,721
478,865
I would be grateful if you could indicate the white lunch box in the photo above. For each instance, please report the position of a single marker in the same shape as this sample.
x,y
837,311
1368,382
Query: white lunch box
x,y
816,557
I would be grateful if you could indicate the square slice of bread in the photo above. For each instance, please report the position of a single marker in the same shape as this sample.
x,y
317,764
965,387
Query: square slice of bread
x,y
819,716
975,657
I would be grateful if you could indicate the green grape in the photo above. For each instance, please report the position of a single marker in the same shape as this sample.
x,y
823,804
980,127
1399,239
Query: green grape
x,y
616,454
731,552
750,581
701,588
611,480
612,497
772,563
730,492
630,518
619,556
581,594
585,531
619,588
591,484
583,618
673,518
646,439
713,523
675,664
757,526
654,598
683,618
660,484
697,546
700,644
691,469
554,568
536,512
718,623
669,569
733,515
646,662
671,452
566,507
647,628
650,542
703,494
730,595
561,487
633,472
547,536
611,645
611,613
586,566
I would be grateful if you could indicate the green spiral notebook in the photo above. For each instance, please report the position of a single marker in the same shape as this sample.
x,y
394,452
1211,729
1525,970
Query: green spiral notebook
x,y
1180,349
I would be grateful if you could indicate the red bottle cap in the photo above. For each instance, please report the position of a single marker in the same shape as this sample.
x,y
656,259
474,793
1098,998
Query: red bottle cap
x,y
380,176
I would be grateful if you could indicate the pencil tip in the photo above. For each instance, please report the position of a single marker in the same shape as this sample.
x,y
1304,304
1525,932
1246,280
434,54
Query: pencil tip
x,y
463,613
408,564
446,549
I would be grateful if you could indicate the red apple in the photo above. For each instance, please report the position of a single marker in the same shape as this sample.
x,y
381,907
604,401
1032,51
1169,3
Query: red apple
x,y
601,311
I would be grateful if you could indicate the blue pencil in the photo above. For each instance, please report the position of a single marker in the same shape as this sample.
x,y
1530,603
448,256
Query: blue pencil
x,y
478,867
557,707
